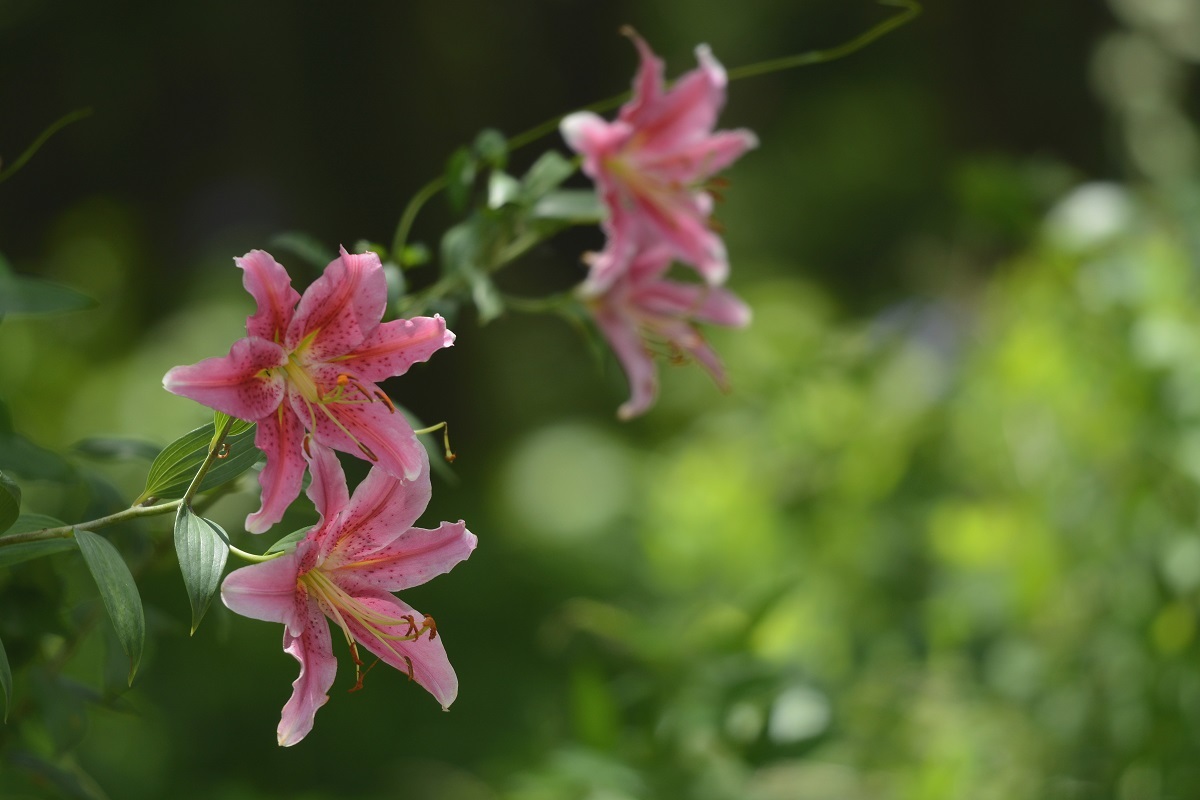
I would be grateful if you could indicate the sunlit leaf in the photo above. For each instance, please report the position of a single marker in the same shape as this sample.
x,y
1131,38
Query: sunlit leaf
x,y
173,469
202,547
550,170
502,189
119,593
579,206
10,502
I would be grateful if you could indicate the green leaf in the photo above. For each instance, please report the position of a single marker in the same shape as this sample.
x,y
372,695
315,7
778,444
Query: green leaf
x,y
492,148
27,551
119,593
550,170
19,455
5,680
460,254
10,502
502,189
203,548
460,177
578,206
24,296
289,542
114,448
173,468
415,255
65,783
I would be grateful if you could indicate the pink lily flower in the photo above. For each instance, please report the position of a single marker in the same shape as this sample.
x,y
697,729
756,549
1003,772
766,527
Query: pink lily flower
x,y
641,312
313,367
346,569
651,163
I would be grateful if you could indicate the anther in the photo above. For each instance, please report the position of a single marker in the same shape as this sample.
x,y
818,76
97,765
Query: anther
x,y
408,661
367,451
387,401
431,626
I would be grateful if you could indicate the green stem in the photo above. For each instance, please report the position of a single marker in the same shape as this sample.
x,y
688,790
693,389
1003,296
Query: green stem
x,y
242,554
55,127
67,531
910,10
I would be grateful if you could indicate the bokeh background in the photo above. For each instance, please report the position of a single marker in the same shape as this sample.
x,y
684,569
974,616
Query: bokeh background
x,y
941,541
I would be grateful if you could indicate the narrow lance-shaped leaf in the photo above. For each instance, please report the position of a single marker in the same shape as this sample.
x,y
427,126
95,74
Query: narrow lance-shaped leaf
x,y
202,546
5,680
173,469
10,502
119,593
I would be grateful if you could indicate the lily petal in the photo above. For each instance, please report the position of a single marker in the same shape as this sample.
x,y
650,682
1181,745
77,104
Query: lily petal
x,y
340,309
238,384
382,508
387,436
269,284
395,346
430,665
410,559
313,648
280,437
265,591
626,342
327,490
687,111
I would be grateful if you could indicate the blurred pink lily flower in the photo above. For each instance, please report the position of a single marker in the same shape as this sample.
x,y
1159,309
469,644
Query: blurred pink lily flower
x,y
346,569
313,367
641,313
652,162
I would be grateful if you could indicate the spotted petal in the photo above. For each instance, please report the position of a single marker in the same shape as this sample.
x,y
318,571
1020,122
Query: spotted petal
x,y
430,665
395,346
279,436
366,430
238,384
313,648
268,282
382,508
411,558
340,309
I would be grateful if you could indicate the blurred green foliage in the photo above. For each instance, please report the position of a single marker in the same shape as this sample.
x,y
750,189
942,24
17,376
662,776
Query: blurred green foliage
x,y
941,542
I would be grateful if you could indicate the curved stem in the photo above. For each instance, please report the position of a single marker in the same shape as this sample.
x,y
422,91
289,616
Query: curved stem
x,y
910,10
242,554
423,195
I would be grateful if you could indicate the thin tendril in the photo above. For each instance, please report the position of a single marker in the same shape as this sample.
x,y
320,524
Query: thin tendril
x,y
911,9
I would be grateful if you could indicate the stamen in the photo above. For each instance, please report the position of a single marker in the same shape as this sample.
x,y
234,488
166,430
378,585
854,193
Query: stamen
x,y
361,446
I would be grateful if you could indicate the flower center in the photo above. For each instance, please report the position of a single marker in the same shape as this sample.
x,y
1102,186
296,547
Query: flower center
x,y
299,377
340,606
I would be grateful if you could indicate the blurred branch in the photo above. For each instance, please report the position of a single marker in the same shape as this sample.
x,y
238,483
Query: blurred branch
x,y
59,124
